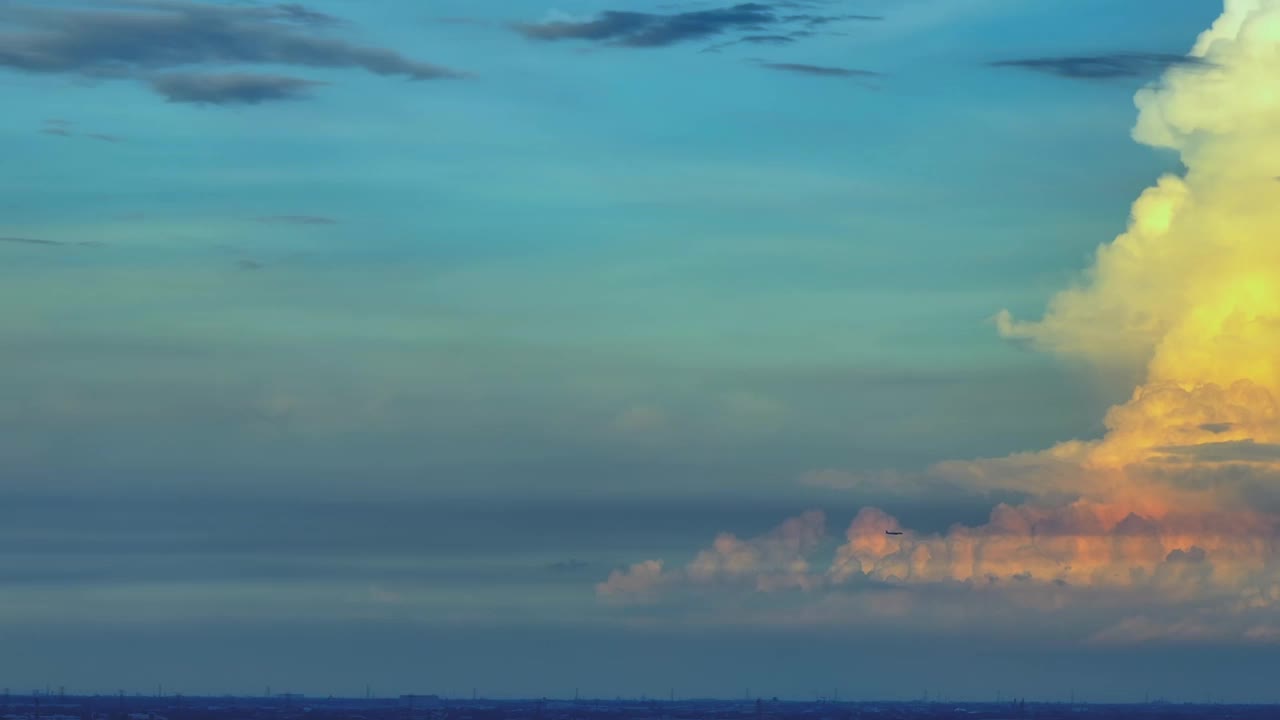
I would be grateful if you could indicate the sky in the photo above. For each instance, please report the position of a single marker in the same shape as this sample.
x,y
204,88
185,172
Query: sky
x,y
532,347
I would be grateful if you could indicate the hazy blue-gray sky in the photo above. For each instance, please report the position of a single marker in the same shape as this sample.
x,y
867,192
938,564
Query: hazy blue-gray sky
x,y
360,343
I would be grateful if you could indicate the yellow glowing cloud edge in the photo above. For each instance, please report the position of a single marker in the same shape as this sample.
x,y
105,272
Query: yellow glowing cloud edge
x,y
1192,291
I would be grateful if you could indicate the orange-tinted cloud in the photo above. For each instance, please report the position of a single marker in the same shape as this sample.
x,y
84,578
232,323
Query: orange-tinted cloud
x,y
1192,289
638,582
776,560
1191,293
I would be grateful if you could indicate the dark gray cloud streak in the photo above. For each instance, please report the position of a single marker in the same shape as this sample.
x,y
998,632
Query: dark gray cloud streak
x,y
754,40
234,88
41,242
28,241
1101,67
820,70
640,29
62,128
301,13
637,29
816,20
766,40
135,38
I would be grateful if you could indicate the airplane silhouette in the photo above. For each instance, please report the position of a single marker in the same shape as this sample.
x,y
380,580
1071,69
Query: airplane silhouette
x,y
892,532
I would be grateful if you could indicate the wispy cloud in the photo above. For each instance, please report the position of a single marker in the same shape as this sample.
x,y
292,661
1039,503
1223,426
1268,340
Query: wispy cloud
x,y
816,20
29,241
637,29
133,39
640,29
43,242
1241,451
1160,511
62,128
1101,67
753,40
231,88
57,126
821,70
301,13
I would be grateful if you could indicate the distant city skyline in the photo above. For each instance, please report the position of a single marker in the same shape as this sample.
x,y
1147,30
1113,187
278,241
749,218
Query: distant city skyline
x,y
531,347
1140,698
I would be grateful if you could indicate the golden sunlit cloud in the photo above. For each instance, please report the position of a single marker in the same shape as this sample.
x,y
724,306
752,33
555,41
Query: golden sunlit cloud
x,y
1191,293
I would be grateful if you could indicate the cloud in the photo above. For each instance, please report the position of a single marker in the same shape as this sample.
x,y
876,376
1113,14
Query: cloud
x,y
816,20
638,583
641,30
637,29
29,241
231,88
1084,544
135,38
300,13
62,128
1188,290
298,219
819,70
1102,67
766,39
1222,452
753,40
42,242
774,561
1159,512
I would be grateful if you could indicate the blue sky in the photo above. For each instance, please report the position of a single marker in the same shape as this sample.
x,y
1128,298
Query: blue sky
x,y
417,361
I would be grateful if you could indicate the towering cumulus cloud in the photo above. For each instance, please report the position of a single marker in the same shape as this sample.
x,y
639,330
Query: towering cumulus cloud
x,y
1174,502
